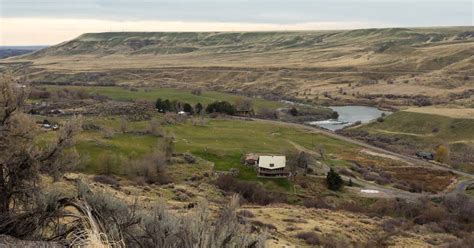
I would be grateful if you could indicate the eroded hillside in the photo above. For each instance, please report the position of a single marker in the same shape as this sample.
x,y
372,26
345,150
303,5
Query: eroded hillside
x,y
378,66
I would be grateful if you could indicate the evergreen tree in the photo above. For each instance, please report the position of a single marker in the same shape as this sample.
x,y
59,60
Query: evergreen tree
x,y
333,180
188,108
221,107
198,108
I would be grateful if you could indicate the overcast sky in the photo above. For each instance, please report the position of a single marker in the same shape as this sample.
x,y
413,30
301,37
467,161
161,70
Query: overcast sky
x,y
38,22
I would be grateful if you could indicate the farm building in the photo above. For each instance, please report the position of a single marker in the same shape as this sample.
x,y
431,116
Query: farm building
x,y
251,159
272,166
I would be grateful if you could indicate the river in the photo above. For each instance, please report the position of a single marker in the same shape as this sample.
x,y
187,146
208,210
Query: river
x,y
348,115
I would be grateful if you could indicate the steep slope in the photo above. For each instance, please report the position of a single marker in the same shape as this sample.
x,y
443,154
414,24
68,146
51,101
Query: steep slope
x,y
356,65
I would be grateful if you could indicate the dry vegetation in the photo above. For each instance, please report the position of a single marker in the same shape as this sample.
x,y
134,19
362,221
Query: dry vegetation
x,y
375,66
153,195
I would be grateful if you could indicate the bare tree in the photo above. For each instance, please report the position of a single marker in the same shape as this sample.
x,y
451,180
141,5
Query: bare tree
x,y
22,160
243,104
123,124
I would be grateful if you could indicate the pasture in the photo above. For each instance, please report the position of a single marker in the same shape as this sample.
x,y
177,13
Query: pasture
x,y
151,94
220,141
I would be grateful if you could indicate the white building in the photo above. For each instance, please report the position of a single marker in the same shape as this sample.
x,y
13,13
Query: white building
x,y
272,166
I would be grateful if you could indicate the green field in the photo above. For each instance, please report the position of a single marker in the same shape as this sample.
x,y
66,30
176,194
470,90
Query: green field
x,y
221,141
151,94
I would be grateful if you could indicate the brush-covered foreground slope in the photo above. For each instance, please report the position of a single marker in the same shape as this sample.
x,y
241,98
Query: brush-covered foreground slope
x,y
357,65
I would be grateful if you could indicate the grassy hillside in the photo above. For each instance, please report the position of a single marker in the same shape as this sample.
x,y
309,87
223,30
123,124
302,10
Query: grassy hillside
x,y
359,66
410,132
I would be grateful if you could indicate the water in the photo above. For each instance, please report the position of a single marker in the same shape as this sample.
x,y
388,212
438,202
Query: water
x,y
348,115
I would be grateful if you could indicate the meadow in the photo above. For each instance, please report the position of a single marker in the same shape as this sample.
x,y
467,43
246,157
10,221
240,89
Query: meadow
x,y
151,94
220,141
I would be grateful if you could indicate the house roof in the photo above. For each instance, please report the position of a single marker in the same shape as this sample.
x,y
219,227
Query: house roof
x,y
272,162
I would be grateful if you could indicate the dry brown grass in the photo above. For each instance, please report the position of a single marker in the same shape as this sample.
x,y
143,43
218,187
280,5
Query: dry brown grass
x,y
460,113
335,64
426,179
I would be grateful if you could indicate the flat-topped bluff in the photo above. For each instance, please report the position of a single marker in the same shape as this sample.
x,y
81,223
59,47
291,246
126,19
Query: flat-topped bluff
x,y
137,43
362,66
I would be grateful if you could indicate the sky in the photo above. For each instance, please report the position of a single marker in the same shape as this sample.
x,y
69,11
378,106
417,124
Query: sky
x,y
46,22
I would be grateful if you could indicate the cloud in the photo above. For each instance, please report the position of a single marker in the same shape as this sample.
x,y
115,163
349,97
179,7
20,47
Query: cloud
x,y
402,12
41,31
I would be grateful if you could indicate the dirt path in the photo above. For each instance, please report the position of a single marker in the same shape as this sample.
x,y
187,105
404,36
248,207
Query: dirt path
x,y
461,185
402,133
302,148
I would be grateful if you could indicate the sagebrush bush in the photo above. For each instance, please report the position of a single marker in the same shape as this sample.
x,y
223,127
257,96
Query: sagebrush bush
x,y
250,191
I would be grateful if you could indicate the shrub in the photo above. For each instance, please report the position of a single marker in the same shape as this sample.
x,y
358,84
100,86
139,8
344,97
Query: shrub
x,y
316,203
293,111
107,132
311,238
245,213
267,113
250,191
106,179
442,153
150,169
196,92
260,224
109,163
334,180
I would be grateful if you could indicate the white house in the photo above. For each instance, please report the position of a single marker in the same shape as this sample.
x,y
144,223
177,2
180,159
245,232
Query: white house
x,y
272,166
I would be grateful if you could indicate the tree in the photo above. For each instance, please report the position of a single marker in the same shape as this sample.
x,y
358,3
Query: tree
x,y
334,180
243,104
159,105
123,124
196,92
188,108
109,163
442,153
303,161
163,106
22,203
198,108
268,113
167,105
221,107
293,111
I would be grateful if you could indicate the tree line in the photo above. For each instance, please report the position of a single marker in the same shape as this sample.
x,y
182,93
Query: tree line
x,y
224,107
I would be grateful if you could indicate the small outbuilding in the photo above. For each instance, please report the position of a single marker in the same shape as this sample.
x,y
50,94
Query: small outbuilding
x,y
272,166
251,159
